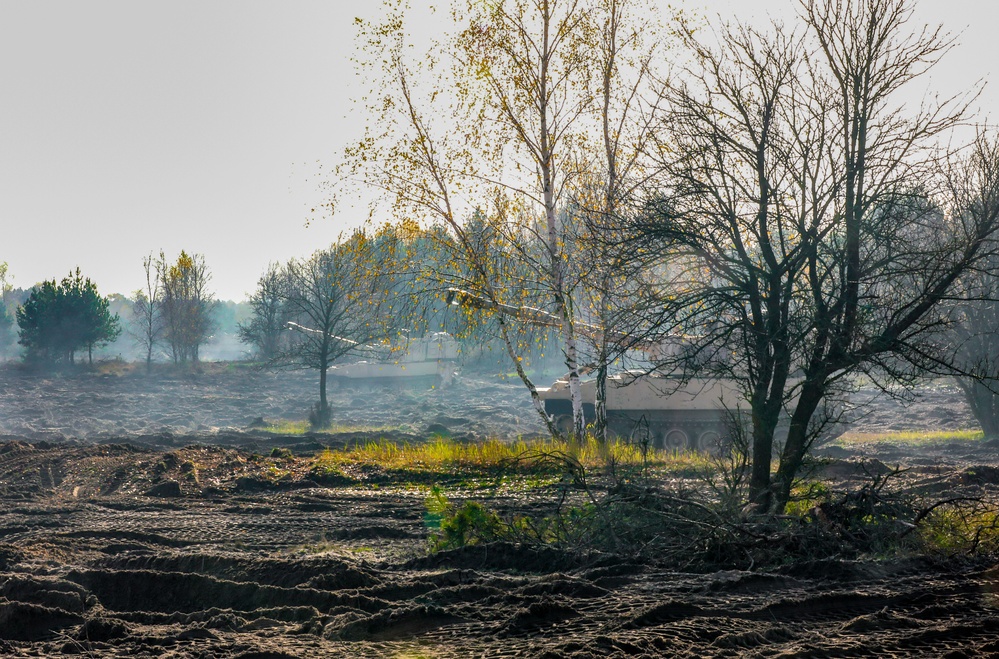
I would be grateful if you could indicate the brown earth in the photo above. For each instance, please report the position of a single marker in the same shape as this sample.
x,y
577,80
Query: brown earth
x,y
137,521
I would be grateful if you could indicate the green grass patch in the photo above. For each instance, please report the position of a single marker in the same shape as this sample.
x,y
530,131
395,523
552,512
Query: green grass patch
x,y
908,437
445,455
288,427
966,528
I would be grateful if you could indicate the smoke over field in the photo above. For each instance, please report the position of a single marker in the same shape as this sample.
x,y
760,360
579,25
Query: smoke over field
x,y
217,402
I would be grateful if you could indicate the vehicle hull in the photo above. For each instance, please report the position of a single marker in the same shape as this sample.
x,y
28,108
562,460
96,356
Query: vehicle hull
x,y
665,413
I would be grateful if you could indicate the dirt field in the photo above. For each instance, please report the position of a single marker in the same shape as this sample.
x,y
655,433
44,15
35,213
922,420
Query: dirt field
x,y
136,522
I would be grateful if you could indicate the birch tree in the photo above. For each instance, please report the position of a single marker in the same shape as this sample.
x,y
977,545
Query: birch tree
x,y
504,130
146,316
629,42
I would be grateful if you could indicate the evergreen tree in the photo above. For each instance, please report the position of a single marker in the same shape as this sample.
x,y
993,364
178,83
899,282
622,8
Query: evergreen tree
x,y
59,319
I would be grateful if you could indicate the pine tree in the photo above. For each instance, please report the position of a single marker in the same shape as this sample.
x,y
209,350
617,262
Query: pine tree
x,y
59,319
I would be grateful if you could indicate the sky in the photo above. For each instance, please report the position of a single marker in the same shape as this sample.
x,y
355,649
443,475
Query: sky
x,y
132,127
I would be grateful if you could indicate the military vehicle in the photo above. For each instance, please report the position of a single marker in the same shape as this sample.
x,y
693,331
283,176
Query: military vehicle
x,y
432,358
642,405
666,412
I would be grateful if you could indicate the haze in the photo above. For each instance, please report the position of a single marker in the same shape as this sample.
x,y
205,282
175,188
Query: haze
x,y
129,127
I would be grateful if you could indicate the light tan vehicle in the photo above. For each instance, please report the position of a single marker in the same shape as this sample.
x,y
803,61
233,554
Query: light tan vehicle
x,y
663,411
429,359
667,412
432,358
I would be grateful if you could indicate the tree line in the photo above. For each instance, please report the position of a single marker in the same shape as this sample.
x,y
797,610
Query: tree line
x,y
58,319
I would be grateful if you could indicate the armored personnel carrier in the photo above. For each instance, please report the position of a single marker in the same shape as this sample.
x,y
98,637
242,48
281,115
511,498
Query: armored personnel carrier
x,y
665,412
642,405
432,358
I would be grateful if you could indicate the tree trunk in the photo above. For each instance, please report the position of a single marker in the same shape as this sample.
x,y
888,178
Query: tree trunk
x,y
539,405
600,402
323,403
575,390
984,404
322,417
760,492
797,443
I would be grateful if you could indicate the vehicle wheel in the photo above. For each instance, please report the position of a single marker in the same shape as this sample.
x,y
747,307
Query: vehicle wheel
x,y
709,442
564,424
675,440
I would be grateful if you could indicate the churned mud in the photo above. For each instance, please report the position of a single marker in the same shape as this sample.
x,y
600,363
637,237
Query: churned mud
x,y
138,520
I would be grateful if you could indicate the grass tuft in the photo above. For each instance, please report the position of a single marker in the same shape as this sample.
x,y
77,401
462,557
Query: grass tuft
x,y
286,427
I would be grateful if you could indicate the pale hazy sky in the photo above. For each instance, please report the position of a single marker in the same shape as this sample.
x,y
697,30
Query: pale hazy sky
x,y
129,126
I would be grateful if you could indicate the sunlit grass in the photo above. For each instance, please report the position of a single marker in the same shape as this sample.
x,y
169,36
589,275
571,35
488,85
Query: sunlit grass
x,y
445,455
286,427
289,427
962,529
908,437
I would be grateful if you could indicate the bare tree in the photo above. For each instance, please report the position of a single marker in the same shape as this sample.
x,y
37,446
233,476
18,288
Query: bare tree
x,y
335,303
146,308
266,327
806,236
976,327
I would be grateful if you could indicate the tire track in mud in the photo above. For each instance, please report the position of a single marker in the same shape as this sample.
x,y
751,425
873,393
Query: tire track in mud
x,y
205,600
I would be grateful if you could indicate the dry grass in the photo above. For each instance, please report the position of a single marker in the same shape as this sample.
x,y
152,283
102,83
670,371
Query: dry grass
x,y
908,437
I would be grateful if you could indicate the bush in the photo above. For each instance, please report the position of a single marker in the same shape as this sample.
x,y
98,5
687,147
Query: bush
x,y
320,416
